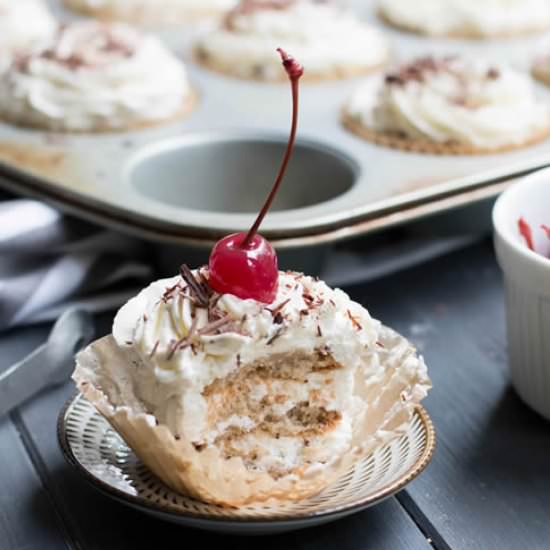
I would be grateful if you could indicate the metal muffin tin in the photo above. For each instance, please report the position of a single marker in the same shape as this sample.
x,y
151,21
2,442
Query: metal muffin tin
x,y
205,175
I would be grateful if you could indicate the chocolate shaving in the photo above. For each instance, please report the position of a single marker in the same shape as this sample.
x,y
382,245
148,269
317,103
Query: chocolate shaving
x,y
319,331
279,308
278,318
194,285
417,70
154,350
354,321
238,359
214,299
172,350
169,292
182,343
274,337
493,74
210,328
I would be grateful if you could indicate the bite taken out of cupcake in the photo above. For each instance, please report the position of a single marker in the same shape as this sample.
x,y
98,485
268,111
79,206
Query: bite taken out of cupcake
x,y
236,382
467,18
449,105
93,76
330,40
151,12
23,25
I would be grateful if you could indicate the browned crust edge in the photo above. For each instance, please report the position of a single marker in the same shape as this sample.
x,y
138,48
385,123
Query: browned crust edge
x,y
188,106
342,72
431,147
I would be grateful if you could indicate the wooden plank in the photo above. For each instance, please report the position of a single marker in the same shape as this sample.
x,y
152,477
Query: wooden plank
x,y
96,522
27,519
489,483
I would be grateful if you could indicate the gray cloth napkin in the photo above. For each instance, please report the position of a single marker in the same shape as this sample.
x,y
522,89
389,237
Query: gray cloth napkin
x,y
49,261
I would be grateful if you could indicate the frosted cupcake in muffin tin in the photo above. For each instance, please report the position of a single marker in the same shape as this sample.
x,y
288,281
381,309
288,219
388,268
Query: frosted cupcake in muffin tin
x,y
449,105
332,42
467,18
151,12
23,24
95,77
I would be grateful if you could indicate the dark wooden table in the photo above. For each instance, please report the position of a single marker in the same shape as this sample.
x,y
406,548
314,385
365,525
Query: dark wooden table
x,y
488,486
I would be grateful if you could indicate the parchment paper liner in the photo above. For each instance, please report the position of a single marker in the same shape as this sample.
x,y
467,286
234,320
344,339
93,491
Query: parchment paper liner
x,y
102,375
433,147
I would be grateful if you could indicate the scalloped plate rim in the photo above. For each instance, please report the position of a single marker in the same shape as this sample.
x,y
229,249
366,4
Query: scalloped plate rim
x,y
278,523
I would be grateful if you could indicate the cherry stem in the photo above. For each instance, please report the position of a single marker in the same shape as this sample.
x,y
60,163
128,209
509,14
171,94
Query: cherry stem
x,y
294,71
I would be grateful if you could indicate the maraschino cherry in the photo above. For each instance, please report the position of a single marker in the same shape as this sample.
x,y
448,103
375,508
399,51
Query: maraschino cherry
x,y
245,264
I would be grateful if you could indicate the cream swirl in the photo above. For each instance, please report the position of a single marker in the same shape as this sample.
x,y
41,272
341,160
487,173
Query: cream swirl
x,y
453,100
151,11
327,40
95,76
23,24
183,348
475,18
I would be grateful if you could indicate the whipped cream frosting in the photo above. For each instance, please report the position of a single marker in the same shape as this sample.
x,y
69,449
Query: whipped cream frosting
x,y
181,352
327,40
155,11
452,100
23,24
95,76
467,17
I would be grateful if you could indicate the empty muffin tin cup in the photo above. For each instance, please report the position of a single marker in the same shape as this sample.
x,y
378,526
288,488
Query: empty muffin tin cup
x,y
232,173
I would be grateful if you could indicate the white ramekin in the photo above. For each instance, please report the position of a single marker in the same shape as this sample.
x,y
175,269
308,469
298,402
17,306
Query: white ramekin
x,y
527,286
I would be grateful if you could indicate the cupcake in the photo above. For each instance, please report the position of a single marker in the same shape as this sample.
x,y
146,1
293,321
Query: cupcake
x,y
151,12
330,40
449,106
232,400
467,18
23,24
237,382
95,77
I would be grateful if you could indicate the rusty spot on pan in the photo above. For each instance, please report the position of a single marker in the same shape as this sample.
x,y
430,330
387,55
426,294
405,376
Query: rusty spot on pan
x,y
45,161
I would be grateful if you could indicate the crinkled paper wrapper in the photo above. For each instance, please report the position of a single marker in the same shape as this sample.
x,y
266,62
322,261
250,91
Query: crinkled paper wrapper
x,y
427,146
104,378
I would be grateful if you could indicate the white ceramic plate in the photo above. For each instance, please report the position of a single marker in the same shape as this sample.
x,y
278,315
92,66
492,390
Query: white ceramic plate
x,y
101,456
